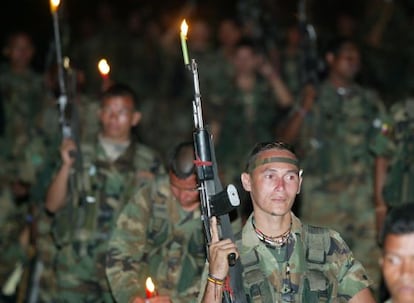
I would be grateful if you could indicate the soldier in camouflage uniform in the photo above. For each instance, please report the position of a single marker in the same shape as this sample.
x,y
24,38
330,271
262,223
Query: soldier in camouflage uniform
x,y
334,133
256,98
87,196
23,161
283,259
394,148
22,93
159,235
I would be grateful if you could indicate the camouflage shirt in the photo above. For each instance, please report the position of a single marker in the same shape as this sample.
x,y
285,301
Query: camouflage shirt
x,y
156,238
395,140
82,229
337,132
102,187
316,265
14,218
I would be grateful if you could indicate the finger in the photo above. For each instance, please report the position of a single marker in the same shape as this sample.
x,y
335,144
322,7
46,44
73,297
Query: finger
x,y
214,230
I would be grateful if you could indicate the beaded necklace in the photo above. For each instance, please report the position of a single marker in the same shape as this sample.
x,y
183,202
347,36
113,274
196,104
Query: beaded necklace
x,y
287,291
276,241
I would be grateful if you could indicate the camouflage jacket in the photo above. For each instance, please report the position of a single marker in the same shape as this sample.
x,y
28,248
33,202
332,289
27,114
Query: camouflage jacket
x,y
156,238
315,266
100,190
14,218
395,140
322,268
337,132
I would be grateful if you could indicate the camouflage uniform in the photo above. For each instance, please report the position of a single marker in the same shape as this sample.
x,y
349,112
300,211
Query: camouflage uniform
x,y
245,120
338,167
86,126
23,103
396,141
156,238
13,220
322,268
25,151
82,229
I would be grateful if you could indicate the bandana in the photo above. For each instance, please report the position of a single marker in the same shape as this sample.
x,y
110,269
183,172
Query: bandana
x,y
259,162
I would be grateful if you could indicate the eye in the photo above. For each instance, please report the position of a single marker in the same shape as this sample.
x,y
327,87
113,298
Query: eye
x,y
393,259
291,177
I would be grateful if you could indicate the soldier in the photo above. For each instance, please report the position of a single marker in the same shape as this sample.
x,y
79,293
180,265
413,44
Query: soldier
x,y
397,261
394,164
23,97
256,98
394,168
90,189
159,235
23,161
333,129
284,260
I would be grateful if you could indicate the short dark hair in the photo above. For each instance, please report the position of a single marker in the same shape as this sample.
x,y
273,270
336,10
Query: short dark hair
x,y
262,146
335,45
120,90
399,221
181,160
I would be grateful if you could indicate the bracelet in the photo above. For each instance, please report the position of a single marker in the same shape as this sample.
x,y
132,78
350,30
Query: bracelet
x,y
215,280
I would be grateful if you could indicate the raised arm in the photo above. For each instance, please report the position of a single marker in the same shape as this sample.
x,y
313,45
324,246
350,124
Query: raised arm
x,y
58,189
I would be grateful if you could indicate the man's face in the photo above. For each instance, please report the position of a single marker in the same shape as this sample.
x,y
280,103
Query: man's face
x,y
245,60
398,267
346,63
273,186
117,116
20,51
186,191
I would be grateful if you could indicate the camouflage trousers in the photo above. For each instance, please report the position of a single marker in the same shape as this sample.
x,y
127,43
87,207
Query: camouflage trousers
x,y
46,250
349,210
81,276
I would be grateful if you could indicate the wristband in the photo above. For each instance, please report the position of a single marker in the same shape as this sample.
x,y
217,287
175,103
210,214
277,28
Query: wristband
x,y
215,280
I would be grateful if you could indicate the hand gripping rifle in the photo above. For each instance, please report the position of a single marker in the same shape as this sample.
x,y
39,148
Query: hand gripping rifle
x,y
214,200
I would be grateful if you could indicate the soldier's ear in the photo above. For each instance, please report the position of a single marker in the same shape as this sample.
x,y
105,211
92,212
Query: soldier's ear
x,y
246,182
330,57
136,117
300,181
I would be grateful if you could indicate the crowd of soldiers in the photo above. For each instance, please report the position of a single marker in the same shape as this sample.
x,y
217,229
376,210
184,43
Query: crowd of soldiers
x,y
61,195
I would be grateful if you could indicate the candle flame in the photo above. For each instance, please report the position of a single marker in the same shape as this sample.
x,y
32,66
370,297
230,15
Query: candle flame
x,y
54,4
104,67
149,284
184,28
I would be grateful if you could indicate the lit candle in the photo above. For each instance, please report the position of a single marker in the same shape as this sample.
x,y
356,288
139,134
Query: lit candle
x,y
54,5
150,288
104,68
183,35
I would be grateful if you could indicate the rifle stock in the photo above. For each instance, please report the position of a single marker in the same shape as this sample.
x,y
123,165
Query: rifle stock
x,y
214,200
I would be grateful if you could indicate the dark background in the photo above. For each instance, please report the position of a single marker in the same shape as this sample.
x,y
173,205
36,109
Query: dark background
x,y
395,55
34,15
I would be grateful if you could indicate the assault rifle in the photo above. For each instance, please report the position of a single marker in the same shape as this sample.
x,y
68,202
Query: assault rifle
x,y
214,200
